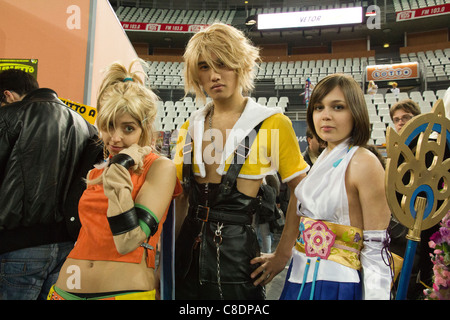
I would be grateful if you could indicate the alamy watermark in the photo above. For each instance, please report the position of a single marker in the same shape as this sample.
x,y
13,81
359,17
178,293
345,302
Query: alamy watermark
x,y
373,14
266,140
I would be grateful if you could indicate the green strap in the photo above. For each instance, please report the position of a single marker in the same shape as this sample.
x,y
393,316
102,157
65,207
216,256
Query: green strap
x,y
144,226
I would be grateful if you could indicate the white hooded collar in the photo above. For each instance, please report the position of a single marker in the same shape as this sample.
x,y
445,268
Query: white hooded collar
x,y
252,115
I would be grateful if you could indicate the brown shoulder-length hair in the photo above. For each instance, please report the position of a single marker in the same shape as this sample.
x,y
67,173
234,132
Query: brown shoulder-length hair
x,y
354,97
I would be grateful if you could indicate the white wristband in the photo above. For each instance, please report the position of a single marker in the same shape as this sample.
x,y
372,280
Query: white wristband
x,y
376,274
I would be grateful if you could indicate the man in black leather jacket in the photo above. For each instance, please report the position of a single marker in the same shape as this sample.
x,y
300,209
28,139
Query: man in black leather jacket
x,y
45,150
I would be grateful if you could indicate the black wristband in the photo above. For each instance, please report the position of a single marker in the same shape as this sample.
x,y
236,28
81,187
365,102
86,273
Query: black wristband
x,y
124,222
122,159
147,218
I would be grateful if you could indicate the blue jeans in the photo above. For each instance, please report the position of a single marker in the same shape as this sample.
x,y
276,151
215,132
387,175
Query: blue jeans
x,y
264,237
28,274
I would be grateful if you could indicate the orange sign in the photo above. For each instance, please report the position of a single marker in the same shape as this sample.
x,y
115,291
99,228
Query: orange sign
x,y
386,72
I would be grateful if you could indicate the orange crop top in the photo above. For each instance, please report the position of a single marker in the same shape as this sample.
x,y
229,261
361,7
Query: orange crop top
x,y
95,240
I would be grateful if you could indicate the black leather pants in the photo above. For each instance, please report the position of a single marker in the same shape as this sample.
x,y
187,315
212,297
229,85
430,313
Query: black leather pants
x,y
197,266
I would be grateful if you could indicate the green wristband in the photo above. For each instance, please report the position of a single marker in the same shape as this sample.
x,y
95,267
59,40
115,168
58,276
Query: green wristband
x,y
148,221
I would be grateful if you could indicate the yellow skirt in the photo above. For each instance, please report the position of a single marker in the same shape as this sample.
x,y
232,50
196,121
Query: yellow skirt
x,y
58,294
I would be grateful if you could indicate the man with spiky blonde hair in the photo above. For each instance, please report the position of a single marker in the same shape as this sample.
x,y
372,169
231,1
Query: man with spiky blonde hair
x,y
224,151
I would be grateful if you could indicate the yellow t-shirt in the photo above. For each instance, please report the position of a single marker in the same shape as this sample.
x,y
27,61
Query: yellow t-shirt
x,y
275,149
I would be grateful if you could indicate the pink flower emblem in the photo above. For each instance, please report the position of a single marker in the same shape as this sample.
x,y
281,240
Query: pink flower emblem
x,y
318,240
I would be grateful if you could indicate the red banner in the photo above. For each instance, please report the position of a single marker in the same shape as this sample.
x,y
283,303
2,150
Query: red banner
x,y
162,27
423,12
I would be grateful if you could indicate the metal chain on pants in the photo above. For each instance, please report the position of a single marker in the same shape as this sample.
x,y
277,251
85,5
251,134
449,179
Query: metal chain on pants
x,y
218,241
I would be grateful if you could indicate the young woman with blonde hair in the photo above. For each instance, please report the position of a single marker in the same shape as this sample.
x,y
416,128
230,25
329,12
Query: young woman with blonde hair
x,y
126,200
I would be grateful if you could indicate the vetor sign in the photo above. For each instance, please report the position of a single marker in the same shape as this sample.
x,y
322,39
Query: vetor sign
x,y
311,18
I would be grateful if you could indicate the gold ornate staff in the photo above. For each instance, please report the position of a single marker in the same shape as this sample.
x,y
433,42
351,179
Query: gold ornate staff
x,y
417,178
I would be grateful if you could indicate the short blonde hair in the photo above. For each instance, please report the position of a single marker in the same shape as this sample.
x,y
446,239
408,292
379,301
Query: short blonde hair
x,y
123,91
227,44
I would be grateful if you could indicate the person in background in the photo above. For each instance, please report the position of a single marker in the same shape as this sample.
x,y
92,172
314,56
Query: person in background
x,y
125,203
395,90
403,111
372,88
44,149
265,218
313,149
216,241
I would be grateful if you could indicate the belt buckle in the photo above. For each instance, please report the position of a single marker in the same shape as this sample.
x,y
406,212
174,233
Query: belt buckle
x,y
202,213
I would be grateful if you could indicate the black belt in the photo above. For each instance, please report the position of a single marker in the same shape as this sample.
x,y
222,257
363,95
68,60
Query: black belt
x,y
206,214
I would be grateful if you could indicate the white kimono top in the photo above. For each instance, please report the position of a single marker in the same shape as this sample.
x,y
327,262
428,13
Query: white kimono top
x,y
322,196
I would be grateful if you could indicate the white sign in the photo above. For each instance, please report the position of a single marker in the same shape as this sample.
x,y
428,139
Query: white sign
x,y
312,18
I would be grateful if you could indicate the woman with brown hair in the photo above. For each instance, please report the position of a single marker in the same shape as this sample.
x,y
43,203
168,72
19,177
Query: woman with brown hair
x,y
342,210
